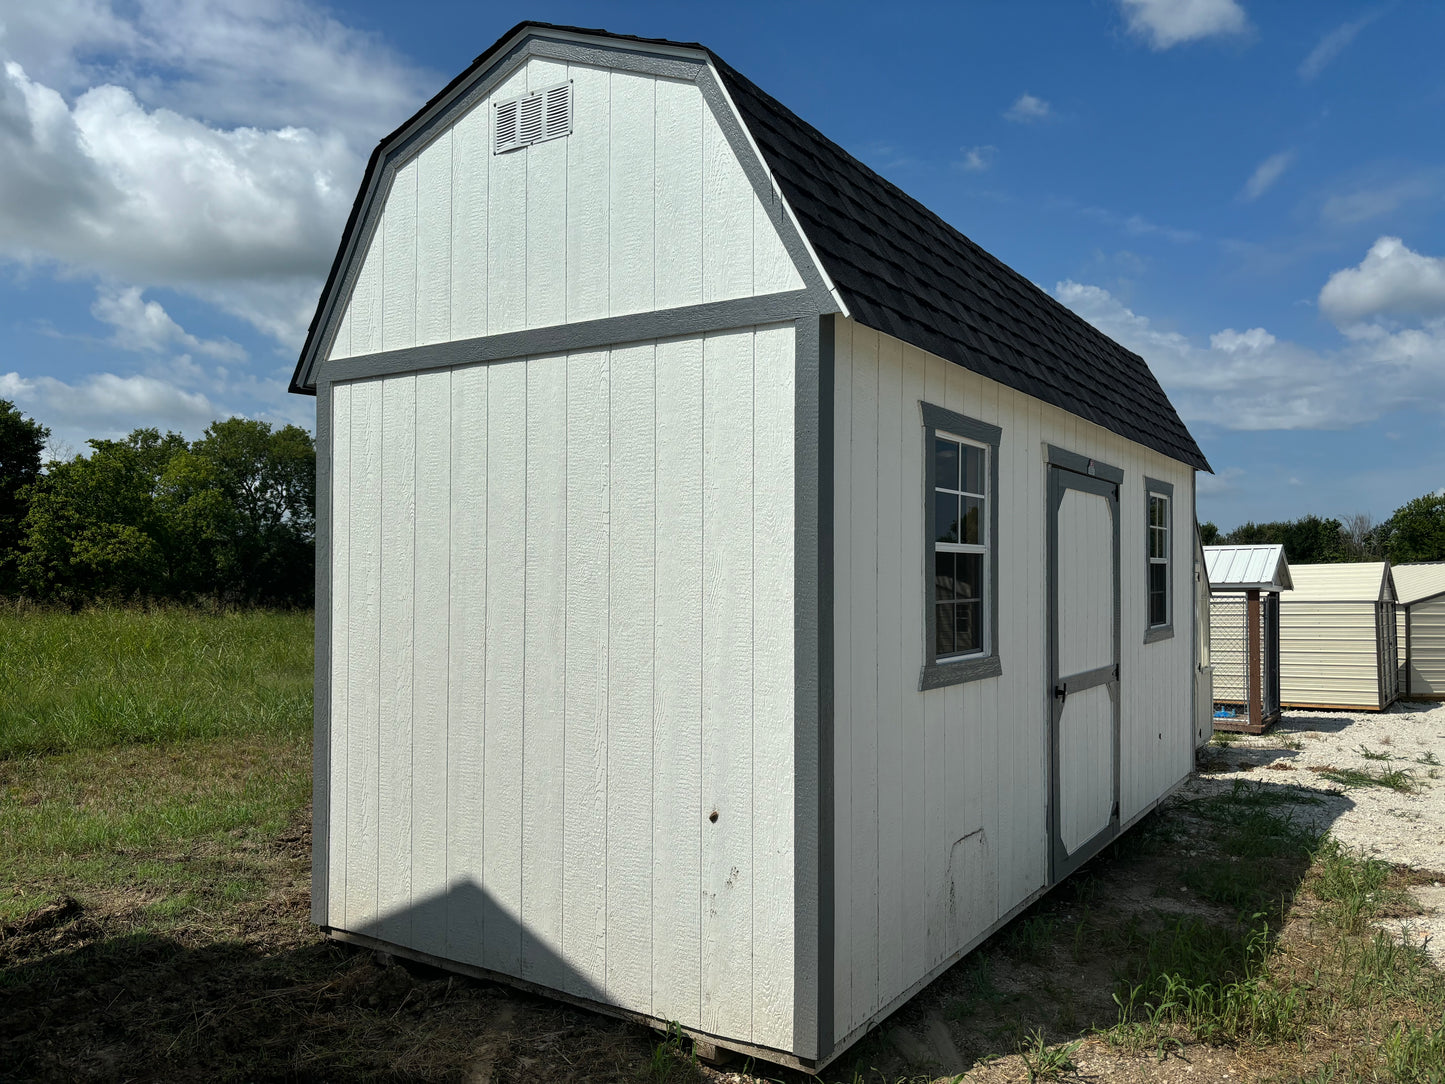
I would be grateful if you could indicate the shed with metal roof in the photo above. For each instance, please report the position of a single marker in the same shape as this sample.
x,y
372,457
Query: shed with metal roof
x,y
1245,583
738,594
1420,625
1338,637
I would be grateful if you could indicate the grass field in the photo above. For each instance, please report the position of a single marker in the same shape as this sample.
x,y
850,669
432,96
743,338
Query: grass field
x,y
154,880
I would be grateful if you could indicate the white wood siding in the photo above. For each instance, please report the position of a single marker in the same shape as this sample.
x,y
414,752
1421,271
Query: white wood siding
x,y
644,206
1328,654
1427,648
562,593
940,797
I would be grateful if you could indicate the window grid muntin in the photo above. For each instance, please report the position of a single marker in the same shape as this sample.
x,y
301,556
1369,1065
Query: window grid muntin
x,y
1158,557
978,602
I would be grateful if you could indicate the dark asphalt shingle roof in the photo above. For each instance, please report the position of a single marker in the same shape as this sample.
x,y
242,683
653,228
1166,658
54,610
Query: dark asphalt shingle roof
x,y
903,270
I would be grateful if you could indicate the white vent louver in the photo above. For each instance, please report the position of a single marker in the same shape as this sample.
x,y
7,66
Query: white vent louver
x,y
533,118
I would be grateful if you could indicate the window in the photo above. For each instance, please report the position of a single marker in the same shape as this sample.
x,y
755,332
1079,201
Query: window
x,y
961,533
1159,501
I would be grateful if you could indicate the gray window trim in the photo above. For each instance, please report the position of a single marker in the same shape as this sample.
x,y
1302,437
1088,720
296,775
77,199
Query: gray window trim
x,y
1082,464
1154,633
935,675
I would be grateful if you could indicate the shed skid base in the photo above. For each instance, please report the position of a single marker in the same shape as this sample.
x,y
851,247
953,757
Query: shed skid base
x,y
1335,707
708,1046
1243,726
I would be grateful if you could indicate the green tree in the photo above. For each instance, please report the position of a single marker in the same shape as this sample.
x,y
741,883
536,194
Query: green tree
x,y
1416,532
1208,533
22,440
1307,541
268,480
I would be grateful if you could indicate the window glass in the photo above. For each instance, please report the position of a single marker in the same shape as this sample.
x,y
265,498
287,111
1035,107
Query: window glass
x,y
1158,560
960,532
945,463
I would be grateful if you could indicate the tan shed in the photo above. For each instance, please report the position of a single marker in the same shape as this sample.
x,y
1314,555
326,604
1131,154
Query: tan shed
x,y
1337,638
1420,623
1245,583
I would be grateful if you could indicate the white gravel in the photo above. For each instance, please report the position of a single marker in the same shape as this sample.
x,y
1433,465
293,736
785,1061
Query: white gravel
x,y
1404,829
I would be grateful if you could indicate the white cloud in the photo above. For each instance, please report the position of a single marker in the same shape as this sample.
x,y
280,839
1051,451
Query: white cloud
x,y
978,159
146,327
1027,109
1332,45
1265,174
1251,380
1392,280
1363,204
1166,23
212,147
108,405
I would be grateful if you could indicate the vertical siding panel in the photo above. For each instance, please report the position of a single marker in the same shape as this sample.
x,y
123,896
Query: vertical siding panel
x,y
727,200
505,717
471,159
677,818
727,684
467,691
863,668
363,667
507,227
773,270
544,796
364,310
1032,800
678,269
588,152
938,782
546,212
341,722
843,583
434,242
889,635
585,759
398,279
398,549
632,194
341,343
432,441
630,677
773,672
910,644
983,896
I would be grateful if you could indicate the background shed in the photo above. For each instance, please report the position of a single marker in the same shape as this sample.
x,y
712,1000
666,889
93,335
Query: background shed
x,y
1420,629
1337,637
1245,584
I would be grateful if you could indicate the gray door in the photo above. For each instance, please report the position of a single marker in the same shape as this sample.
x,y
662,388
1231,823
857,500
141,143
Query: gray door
x,y
1083,667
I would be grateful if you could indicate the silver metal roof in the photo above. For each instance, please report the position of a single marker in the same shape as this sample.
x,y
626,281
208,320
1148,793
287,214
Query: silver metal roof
x,y
1247,568
1368,581
1414,582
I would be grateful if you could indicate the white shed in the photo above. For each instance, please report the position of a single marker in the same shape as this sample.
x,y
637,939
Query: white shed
x,y
1337,637
737,593
1421,629
1245,583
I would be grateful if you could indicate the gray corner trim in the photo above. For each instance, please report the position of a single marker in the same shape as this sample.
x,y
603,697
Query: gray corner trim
x,y
587,335
321,707
536,43
1153,634
812,473
936,675
824,949
1082,464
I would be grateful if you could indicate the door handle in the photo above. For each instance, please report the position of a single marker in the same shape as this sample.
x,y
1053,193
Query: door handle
x,y
1061,690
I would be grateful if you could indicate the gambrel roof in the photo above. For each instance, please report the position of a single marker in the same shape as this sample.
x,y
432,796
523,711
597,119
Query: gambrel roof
x,y
895,266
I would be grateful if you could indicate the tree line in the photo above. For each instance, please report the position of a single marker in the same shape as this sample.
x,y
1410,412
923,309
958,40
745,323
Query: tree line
x,y
1415,532
228,518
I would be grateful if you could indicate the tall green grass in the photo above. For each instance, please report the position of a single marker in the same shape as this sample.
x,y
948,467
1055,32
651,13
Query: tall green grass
x,y
108,677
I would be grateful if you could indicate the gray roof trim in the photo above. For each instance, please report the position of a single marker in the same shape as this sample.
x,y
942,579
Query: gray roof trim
x,y
682,62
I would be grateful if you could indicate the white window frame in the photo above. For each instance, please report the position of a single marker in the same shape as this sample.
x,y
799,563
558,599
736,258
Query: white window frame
x,y
960,667
1155,490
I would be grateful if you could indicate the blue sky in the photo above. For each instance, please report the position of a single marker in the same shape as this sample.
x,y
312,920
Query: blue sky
x,y
1250,194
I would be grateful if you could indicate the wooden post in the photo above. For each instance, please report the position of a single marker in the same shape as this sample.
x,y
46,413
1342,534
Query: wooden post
x,y
1255,659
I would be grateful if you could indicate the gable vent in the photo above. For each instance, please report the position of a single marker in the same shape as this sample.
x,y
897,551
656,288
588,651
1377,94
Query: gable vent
x,y
533,118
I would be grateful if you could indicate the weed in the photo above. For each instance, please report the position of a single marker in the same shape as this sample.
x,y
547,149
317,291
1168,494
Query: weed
x,y
1043,1062
673,1059
1397,779
1415,1054
1428,757
1032,937
1370,754
1292,743
1351,886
